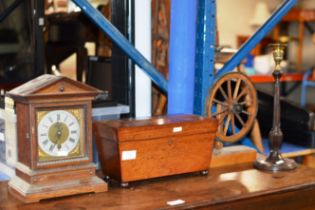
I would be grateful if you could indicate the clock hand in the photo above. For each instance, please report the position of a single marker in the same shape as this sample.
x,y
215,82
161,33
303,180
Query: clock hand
x,y
58,135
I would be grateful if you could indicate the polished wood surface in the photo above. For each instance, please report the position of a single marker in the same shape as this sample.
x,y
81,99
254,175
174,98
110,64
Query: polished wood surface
x,y
241,187
160,146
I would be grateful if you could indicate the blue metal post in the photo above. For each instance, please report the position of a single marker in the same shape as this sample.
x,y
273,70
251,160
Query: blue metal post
x,y
122,42
257,37
182,57
205,52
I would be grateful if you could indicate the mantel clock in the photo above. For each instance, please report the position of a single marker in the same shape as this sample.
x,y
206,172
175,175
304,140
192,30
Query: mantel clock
x,y
54,139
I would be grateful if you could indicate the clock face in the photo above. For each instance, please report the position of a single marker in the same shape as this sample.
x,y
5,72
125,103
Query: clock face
x,y
60,134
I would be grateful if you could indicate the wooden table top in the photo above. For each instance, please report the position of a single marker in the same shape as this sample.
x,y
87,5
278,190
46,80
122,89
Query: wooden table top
x,y
243,188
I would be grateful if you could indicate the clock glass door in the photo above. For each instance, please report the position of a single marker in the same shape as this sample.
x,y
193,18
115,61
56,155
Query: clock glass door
x,y
61,134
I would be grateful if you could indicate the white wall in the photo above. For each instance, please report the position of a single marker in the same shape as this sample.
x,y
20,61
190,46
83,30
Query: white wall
x,y
233,19
143,44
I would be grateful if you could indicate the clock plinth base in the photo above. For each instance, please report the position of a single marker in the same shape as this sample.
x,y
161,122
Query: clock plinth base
x,y
28,193
32,186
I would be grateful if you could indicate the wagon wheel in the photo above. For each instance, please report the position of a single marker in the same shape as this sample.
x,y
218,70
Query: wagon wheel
x,y
233,101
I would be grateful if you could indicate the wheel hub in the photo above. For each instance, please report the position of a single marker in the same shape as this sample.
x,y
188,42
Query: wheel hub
x,y
237,108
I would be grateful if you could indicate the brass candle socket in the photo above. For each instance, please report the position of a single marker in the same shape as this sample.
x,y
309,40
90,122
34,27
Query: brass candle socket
x,y
275,162
278,54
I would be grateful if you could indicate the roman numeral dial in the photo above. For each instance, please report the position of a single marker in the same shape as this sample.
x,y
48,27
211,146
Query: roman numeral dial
x,y
59,133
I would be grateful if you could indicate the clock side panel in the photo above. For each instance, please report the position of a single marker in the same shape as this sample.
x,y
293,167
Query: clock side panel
x,y
23,134
89,129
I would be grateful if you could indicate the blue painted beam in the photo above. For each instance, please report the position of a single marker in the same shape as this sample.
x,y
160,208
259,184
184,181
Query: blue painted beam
x,y
182,57
257,37
122,43
10,9
205,52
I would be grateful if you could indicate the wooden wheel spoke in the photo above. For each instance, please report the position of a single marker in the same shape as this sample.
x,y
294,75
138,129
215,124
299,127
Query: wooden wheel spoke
x,y
220,102
233,123
223,93
221,122
221,119
247,103
237,87
229,89
218,113
227,123
244,91
245,112
240,119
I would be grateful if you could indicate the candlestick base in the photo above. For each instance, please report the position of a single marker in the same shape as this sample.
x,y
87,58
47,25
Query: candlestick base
x,y
275,162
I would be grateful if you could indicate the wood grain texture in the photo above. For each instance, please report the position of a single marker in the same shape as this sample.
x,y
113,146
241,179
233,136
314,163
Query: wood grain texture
x,y
23,128
240,187
164,157
158,150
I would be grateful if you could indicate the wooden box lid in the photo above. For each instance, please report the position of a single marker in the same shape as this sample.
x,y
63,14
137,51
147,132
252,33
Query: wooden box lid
x,y
155,127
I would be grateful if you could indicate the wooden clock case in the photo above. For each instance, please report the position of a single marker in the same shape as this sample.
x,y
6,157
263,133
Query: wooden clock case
x,y
35,180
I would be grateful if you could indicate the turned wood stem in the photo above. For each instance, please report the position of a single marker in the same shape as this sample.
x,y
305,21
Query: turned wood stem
x,y
275,134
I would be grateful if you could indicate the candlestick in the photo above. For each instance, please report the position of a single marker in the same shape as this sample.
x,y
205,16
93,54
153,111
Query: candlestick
x,y
275,161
